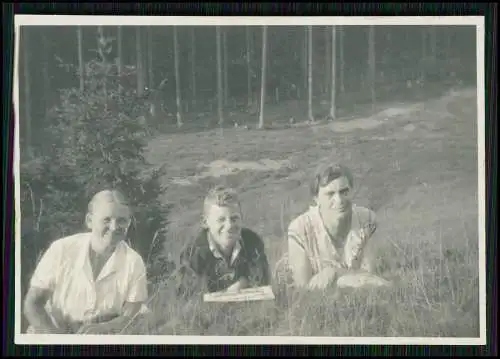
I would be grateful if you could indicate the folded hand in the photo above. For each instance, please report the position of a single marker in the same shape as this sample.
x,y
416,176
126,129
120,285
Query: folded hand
x,y
325,277
94,329
47,330
239,285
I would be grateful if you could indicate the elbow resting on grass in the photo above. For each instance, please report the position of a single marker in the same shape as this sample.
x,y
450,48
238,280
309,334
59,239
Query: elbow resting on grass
x,y
35,313
302,272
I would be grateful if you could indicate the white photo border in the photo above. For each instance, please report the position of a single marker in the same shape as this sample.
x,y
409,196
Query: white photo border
x,y
89,20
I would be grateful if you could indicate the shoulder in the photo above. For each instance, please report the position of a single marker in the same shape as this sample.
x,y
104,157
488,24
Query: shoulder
x,y
68,244
251,238
299,223
200,243
197,245
63,252
254,248
131,256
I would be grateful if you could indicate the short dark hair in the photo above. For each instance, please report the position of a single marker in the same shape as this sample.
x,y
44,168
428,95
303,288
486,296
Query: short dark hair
x,y
326,173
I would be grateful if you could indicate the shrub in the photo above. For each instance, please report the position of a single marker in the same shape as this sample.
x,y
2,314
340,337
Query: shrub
x,y
93,141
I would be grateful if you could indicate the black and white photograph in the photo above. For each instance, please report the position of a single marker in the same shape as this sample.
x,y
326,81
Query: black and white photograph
x,y
249,180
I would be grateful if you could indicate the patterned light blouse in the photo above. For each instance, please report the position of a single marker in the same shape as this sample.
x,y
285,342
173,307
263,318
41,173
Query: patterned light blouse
x,y
309,232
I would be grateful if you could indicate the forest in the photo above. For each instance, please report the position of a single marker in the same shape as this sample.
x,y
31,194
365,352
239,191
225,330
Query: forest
x,y
180,72
93,100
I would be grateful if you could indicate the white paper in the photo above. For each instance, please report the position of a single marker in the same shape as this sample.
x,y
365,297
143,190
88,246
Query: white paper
x,y
245,295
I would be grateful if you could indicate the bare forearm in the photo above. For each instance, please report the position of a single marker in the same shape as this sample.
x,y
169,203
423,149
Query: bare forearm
x,y
301,276
38,317
326,277
367,265
111,326
119,323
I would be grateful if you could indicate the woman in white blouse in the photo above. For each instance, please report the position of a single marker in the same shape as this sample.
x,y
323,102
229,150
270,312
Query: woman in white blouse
x,y
328,242
90,282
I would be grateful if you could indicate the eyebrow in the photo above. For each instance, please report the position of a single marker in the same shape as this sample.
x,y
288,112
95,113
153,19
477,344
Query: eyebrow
x,y
121,217
339,190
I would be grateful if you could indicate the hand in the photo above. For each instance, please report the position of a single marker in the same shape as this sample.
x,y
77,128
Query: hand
x,y
47,330
242,283
94,329
367,231
325,277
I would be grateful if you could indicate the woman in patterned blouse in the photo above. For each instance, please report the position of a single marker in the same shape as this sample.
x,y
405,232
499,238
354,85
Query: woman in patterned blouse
x,y
328,242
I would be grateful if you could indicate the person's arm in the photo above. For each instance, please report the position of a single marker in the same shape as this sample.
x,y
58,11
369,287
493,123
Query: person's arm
x,y
117,324
35,313
298,261
255,272
240,284
300,265
263,264
325,277
369,251
192,274
42,285
259,271
190,258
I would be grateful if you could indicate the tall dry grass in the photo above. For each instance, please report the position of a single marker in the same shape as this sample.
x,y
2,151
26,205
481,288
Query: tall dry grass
x,y
435,294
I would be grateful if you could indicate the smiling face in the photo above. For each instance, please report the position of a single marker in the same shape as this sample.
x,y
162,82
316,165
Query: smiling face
x,y
108,222
334,199
224,224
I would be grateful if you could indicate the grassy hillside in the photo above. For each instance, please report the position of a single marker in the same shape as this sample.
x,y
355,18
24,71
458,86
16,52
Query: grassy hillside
x,y
415,165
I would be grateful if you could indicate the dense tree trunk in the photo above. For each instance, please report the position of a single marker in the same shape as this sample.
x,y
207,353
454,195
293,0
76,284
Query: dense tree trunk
x,y
151,81
219,75
81,65
310,73
119,50
342,64
25,41
433,45
263,77
305,57
102,49
424,54
333,69
45,72
193,66
371,62
449,38
225,63
141,83
178,102
249,66
328,61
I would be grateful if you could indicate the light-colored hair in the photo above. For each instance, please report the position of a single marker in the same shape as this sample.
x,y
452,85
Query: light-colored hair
x,y
328,172
220,196
109,196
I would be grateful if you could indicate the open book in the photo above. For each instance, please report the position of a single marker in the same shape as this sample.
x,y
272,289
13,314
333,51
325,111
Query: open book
x,y
245,295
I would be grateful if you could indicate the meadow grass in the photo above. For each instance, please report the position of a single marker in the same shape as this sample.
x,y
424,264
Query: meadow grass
x,y
418,172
